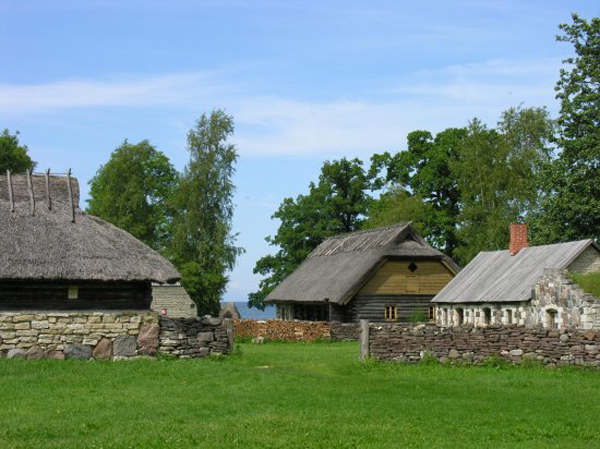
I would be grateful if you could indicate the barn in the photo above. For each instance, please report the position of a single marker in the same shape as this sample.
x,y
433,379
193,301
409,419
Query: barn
x,y
53,256
381,274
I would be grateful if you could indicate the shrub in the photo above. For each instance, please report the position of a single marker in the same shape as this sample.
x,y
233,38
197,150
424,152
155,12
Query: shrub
x,y
589,282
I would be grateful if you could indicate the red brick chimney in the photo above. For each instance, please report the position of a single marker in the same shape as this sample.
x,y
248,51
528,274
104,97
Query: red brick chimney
x,y
518,238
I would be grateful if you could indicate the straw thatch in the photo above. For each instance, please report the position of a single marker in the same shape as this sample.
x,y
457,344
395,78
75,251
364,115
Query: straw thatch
x,y
229,310
498,277
40,240
340,265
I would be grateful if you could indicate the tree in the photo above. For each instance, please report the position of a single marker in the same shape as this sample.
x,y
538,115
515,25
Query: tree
x,y
499,177
425,169
13,156
397,205
337,204
132,190
203,245
571,207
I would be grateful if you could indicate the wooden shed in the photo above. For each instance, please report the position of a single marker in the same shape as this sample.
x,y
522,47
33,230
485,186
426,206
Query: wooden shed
x,y
382,274
55,256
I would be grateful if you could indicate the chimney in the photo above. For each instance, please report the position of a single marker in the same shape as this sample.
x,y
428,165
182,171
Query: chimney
x,y
518,238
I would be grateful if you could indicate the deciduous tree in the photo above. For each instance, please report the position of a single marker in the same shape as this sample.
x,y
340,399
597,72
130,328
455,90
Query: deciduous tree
x,y
13,156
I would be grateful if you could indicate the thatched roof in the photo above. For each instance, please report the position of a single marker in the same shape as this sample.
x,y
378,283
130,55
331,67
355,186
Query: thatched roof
x,y
38,242
229,310
339,266
497,276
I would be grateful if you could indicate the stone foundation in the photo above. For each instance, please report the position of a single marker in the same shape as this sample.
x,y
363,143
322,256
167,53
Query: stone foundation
x,y
413,342
105,335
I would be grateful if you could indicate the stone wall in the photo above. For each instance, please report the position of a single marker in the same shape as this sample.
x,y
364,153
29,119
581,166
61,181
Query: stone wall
x,y
107,335
344,331
468,344
195,337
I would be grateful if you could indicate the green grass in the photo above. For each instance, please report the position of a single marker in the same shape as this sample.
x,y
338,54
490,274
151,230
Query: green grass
x,y
588,282
288,395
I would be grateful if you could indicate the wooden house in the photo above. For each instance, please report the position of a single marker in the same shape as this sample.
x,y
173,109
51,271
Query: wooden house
x,y
524,285
383,274
55,256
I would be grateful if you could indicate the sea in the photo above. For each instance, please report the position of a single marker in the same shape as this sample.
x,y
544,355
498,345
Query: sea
x,y
251,313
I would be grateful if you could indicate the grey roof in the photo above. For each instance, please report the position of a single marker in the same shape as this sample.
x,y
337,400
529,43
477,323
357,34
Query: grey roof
x,y
339,266
46,244
499,277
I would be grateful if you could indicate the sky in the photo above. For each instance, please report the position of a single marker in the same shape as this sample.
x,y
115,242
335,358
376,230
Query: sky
x,y
306,81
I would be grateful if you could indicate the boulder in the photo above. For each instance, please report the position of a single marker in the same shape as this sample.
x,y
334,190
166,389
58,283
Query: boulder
x,y
103,350
453,354
205,336
16,354
147,340
124,346
35,353
78,351
211,321
55,354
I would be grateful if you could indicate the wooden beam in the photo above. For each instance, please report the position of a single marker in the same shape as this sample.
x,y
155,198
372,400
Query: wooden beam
x,y
71,196
31,194
10,191
48,199
364,339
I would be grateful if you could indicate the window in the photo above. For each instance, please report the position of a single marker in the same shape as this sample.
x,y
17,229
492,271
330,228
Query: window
x,y
391,313
73,292
460,317
551,319
509,316
487,315
432,313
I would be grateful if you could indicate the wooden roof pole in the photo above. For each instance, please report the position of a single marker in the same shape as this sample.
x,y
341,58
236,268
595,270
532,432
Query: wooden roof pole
x,y
30,188
10,191
48,199
71,197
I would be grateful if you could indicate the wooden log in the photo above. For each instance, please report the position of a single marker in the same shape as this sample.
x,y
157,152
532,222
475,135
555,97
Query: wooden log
x,y
48,199
10,191
30,188
228,323
364,339
72,206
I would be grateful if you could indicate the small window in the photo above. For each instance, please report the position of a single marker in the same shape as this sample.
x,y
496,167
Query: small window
x,y
487,315
460,317
432,312
509,316
413,267
73,292
445,317
391,313
551,319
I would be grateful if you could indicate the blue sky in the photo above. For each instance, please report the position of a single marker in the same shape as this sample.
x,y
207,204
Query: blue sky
x,y
306,81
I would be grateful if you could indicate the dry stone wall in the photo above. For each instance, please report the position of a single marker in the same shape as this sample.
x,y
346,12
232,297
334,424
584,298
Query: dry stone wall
x,y
103,335
412,343
195,337
295,330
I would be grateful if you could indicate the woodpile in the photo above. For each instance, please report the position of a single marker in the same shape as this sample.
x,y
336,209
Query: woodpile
x,y
283,330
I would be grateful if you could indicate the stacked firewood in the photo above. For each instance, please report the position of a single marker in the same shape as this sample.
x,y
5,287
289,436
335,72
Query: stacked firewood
x,y
282,330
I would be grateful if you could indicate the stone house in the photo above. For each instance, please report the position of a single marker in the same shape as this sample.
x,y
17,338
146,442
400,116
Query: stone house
x,y
382,274
523,286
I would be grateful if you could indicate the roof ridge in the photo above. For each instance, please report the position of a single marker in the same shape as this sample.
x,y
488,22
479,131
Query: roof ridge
x,y
401,224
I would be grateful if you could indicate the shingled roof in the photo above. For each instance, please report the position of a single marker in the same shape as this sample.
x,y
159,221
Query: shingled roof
x,y
339,266
499,277
46,236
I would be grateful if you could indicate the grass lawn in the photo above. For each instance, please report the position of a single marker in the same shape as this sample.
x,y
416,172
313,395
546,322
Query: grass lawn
x,y
311,395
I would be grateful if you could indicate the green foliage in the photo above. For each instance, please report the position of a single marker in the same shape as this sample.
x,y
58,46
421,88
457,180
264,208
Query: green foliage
x,y
13,156
589,282
397,205
203,245
570,208
425,168
335,205
417,317
132,190
499,176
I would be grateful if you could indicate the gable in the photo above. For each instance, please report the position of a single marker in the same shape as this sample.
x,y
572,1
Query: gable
x,y
396,278
587,262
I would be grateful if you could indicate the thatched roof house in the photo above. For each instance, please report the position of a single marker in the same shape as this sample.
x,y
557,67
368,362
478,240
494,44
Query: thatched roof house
x,y
497,287
388,273
52,254
229,310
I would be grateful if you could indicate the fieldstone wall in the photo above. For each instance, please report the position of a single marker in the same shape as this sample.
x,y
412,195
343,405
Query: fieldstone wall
x,y
574,307
468,344
295,330
195,337
108,335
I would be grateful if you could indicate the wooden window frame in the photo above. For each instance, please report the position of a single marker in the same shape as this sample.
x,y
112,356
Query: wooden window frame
x,y
391,313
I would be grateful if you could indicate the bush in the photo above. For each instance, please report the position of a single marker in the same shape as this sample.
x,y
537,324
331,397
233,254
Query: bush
x,y
589,282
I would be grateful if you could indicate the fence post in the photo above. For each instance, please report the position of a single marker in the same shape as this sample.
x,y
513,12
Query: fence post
x,y
364,339
228,322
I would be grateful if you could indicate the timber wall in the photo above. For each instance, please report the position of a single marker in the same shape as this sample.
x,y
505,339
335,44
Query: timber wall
x,y
295,330
109,335
412,343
